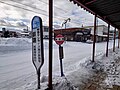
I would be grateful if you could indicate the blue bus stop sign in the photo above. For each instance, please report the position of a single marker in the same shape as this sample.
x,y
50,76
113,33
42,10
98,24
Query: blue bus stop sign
x,y
37,42
37,45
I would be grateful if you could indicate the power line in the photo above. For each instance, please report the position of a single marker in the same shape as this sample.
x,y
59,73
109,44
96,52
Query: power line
x,y
22,8
27,5
26,9
34,7
30,10
54,6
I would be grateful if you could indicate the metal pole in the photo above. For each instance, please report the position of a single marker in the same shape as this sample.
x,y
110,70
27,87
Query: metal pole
x,y
50,43
94,38
38,73
61,57
118,37
107,40
114,40
65,25
61,68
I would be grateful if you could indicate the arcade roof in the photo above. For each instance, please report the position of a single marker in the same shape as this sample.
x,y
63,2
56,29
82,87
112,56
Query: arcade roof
x,y
107,10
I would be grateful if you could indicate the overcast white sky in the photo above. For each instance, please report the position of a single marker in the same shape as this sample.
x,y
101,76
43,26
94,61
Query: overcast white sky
x,y
21,12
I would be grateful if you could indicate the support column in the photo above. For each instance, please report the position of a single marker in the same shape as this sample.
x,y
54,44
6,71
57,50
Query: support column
x,y
50,43
107,40
118,37
114,40
94,38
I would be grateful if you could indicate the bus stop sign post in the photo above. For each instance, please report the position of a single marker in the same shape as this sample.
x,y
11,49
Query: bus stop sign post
x,y
59,39
61,57
37,45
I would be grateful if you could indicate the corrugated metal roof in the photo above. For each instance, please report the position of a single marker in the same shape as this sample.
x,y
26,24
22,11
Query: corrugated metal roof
x,y
107,10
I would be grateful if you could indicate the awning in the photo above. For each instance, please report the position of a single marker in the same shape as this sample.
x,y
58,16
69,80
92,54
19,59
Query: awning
x,y
107,10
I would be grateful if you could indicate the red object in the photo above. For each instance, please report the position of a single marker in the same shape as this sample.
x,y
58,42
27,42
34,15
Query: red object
x,y
59,39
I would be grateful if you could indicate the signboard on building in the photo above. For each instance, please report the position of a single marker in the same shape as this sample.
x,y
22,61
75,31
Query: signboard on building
x,y
37,42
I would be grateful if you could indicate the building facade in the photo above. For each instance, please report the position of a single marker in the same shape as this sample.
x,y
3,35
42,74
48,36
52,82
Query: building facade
x,y
101,32
74,34
86,33
45,32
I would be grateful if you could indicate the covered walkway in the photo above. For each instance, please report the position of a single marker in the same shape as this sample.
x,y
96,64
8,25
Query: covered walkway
x,y
107,10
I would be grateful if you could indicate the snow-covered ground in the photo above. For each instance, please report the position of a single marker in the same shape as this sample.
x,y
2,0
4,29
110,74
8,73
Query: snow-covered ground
x,y
14,44
18,73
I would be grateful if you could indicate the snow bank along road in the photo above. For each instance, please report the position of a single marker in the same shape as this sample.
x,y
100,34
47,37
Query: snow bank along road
x,y
16,66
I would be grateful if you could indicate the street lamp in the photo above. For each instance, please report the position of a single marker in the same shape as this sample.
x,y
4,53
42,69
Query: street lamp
x,y
66,22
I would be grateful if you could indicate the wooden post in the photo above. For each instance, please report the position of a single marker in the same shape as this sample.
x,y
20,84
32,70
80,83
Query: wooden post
x,y
114,40
94,38
50,43
107,40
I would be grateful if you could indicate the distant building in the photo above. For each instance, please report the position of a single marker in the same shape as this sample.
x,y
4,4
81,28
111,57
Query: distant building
x,y
8,32
100,29
101,32
74,34
1,33
86,33
25,33
45,32
111,34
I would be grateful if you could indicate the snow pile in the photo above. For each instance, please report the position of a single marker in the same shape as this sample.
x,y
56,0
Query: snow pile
x,y
97,65
112,68
33,84
110,65
61,83
14,44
